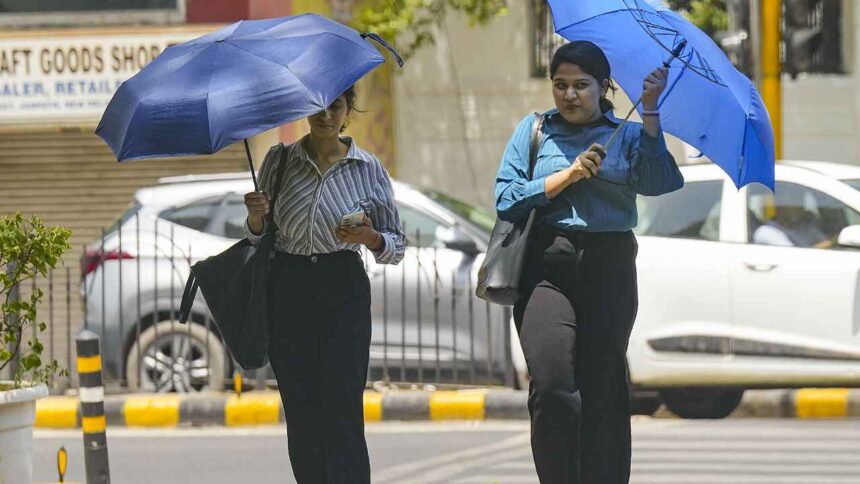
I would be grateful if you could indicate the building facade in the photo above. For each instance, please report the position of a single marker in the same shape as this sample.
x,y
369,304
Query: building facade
x,y
821,111
60,64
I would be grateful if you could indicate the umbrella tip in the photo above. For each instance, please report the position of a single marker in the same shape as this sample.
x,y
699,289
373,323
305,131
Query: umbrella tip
x,y
380,41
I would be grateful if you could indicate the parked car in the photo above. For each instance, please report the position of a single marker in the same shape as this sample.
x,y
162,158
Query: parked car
x,y
720,311
427,324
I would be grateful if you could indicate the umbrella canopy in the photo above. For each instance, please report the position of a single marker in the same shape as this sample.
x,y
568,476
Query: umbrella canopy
x,y
708,103
254,75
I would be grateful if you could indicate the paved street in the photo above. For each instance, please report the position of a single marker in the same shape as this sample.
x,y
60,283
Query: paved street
x,y
665,451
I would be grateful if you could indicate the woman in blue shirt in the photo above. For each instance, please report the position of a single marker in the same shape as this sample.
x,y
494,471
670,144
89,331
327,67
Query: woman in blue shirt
x,y
575,322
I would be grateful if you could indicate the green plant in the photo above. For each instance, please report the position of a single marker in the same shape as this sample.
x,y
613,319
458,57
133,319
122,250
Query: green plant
x,y
27,248
412,22
709,15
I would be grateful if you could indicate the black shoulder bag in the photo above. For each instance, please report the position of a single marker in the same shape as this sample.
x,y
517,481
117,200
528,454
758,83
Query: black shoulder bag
x,y
499,278
234,285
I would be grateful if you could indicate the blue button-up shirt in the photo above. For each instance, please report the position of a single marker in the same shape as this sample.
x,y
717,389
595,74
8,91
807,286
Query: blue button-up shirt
x,y
635,163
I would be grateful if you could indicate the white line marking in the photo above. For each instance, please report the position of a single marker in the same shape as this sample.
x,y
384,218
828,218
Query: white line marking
x,y
409,472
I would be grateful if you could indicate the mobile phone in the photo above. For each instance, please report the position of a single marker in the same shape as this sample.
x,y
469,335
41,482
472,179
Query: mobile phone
x,y
352,219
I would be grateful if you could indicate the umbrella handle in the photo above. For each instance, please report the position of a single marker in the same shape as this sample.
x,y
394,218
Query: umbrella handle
x,y
251,165
382,42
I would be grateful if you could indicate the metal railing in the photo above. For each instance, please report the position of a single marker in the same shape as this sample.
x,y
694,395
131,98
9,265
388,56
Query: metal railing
x,y
428,327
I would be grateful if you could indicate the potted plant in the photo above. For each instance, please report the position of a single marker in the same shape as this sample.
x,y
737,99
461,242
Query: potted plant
x,y
27,248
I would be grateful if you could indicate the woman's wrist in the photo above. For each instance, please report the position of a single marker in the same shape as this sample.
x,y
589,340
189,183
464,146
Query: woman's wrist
x,y
256,224
574,174
378,242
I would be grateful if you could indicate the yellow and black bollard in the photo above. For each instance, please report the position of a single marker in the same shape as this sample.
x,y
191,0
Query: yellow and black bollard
x,y
237,383
92,408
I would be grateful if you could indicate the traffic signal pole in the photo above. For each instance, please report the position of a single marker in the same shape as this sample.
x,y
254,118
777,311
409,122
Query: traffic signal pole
x,y
771,84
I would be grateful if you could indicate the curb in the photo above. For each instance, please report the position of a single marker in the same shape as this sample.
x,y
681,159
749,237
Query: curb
x,y
264,408
804,403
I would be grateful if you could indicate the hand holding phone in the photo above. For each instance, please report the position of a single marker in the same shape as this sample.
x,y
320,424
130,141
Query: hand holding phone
x,y
352,219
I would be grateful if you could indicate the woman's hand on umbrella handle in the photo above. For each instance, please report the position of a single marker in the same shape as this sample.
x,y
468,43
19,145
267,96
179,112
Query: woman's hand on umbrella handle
x,y
257,204
587,164
653,86
599,149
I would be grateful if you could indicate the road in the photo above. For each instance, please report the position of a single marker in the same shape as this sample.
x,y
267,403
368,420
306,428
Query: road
x,y
665,451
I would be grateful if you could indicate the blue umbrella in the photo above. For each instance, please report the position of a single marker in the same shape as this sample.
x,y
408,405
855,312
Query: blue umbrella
x,y
254,75
708,103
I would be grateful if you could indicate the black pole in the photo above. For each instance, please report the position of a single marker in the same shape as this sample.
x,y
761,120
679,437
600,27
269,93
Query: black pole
x,y
251,165
92,397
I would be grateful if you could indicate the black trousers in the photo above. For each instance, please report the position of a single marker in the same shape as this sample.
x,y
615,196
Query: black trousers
x,y
320,344
574,327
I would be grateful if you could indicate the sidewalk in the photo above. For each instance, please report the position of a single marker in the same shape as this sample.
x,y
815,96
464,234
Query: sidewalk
x,y
264,408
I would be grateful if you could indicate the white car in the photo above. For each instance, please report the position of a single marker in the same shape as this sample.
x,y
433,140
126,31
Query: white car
x,y
718,313
722,310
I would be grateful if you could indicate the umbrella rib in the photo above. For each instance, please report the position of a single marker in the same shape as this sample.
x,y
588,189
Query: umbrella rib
x,y
352,41
558,30
742,157
301,81
749,125
209,90
672,87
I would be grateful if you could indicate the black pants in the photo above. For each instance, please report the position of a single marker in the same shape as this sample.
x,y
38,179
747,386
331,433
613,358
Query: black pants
x,y
320,342
574,328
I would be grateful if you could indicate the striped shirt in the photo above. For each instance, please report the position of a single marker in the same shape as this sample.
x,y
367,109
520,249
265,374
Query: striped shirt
x,y
310,204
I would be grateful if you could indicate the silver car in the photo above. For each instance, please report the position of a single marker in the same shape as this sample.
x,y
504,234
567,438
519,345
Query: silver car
x,y
427,325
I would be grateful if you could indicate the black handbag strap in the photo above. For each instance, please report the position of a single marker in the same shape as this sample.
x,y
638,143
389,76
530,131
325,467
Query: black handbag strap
x,y
188,297
534,143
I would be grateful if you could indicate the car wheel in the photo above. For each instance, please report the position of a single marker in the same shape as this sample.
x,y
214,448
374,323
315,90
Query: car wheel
x,y
702,403
174,357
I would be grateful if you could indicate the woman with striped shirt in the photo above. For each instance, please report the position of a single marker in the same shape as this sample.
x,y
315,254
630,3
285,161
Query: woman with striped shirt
x,y
319,291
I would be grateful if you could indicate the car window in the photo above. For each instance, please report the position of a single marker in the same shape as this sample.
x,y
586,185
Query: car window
x,y
476,215
195,215
693,212
796,215
420,228
130,211
855,184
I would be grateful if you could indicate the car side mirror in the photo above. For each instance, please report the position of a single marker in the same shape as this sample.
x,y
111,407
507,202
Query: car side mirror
x,y
455,239
849,237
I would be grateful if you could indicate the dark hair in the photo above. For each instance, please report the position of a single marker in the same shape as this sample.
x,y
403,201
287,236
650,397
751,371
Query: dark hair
x,y
590,58
351,97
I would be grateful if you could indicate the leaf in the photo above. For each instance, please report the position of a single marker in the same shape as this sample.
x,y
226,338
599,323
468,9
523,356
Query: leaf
x,y
30,362
27,248
411,23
